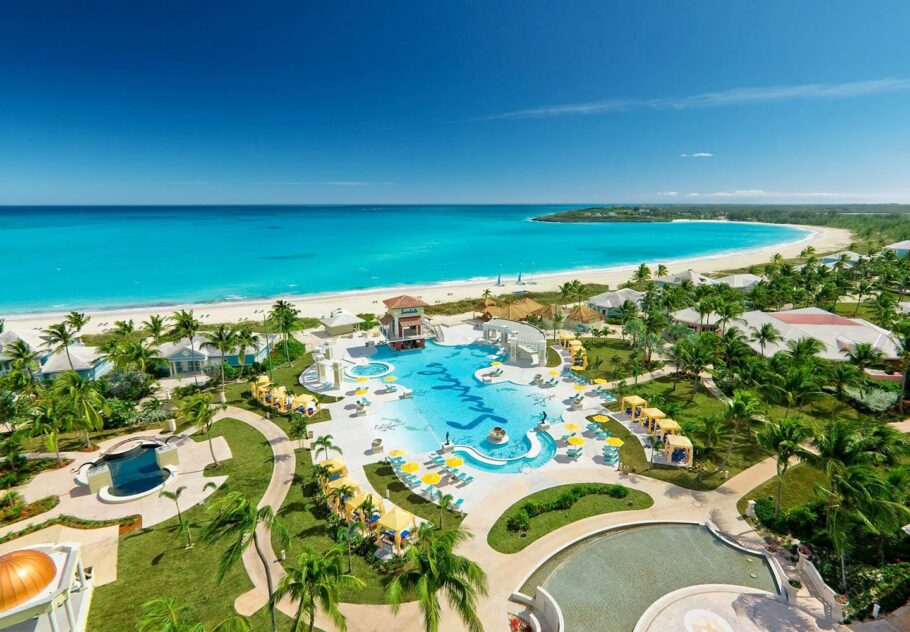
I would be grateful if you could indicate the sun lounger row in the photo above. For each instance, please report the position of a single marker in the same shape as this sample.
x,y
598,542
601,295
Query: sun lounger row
x,y
574,453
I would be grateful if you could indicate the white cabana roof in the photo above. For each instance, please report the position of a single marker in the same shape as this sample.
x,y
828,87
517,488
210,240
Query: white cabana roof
x,y
696,278
741,281
690,316
615,298
83,358
340,317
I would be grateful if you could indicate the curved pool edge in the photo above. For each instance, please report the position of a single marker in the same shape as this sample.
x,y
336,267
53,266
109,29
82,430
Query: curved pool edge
x,y
105,496
656,609
532,452
550,612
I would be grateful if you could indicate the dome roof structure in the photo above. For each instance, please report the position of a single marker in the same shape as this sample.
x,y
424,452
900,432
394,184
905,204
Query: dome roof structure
x,y
24,574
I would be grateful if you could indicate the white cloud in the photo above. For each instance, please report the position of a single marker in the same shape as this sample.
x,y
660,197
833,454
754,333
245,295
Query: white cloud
x,y
699,154
734,96
668,193
753,194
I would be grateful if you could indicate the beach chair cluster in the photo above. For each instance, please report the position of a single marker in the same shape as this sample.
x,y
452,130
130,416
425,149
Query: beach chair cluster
x,y
453,473
600,433
611,455
361,405
488,377
574,453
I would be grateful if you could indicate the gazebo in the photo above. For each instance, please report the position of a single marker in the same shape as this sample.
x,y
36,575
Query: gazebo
x,y
667,426
260,386
306,403
649,418
335,466
633,404
583,315
397,523
565,338
676,444
338,483
548,313
352,505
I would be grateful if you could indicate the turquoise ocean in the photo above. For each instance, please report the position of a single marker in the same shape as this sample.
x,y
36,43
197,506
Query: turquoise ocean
x,y
61,258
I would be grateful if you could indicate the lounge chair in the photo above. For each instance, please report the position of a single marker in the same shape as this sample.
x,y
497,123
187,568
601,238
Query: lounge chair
x,y
457,505
391,388
574,453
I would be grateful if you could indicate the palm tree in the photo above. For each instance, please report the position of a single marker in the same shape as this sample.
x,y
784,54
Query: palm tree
x,y
662,270
863,355
186,326
76,321
842,376
60,337
124,328
795,386
286,319
86,399
837,448
445,502
298,428
558,318
175,496
139,353
902,338
348,533
432,567
224,338
246,339
863,288
197,410
783,439
710,433
22,356
235,523
728,311
166,615
742,408
314,582
324,445
370,320
765,335
641,274
49,419
155,326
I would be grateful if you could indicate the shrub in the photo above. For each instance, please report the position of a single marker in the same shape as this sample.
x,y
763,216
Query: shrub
x,y
126,385
519,522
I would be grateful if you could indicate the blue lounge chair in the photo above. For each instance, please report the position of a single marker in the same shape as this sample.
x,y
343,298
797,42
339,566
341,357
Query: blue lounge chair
x,y
457,504
391,388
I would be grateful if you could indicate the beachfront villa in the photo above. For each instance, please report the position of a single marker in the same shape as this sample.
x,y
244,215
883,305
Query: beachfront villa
x,y
609,304
581,317
741,282
187,358
847,258
340,322
87,362
902,248
686,276
690,317
404,324
44,588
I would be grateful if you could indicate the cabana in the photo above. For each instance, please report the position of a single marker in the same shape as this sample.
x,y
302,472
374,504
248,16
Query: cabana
x,y
305,403
650,417
260,386
336,467
678,449
338,483
667,426
352,506
398,525
632,404
565,338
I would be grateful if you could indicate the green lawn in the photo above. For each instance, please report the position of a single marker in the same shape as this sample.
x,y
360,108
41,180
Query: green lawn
x,y
798,488
609,358
382,478
553,358
505,541
153,563
464,306
307,530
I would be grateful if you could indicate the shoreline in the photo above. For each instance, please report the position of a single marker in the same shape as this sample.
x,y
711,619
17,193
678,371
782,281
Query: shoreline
x,y
823,238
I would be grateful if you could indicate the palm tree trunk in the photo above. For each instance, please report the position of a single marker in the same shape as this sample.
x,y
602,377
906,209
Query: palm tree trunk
x,y
88,441
903,388
780,487
69,359
223,362
268,581
211,447
287,353
193,349
843,572
312,619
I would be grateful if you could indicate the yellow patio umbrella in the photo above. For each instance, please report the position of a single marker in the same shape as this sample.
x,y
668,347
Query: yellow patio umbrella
x,y
389,378
361,391
554,373
431,478
577,367
455,461
363,379
600,418
580,387
576,440
599,380
398,452
616,442
496,363
572,427
410,467
263,379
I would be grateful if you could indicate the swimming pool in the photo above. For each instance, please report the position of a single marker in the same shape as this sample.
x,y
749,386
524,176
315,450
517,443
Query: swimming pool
x,y
369,369
514,465
605,582
134,471
449,401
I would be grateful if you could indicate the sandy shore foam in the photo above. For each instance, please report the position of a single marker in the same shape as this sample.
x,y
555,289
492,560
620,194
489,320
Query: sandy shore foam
x,y
823,239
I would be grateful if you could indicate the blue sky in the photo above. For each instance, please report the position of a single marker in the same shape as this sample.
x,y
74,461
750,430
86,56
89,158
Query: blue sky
x,y
420,102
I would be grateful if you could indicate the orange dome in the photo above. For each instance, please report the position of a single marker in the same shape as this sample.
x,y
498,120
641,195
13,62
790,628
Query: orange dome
x,y
24,574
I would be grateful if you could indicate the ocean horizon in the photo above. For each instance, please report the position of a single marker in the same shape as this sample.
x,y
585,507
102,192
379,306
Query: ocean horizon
x,y
95,257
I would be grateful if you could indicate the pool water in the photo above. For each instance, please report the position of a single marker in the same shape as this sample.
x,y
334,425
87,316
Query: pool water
x,y
370,369
606,582
515,466
449,401
135,471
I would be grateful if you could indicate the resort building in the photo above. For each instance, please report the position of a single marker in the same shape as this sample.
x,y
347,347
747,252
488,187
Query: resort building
x,y
847,257
44,588
741,282
340,322
688,276
524,343
695,321
88,362
902,248
837,333
609,304
404,324
581,316
519,310
548,314
184,358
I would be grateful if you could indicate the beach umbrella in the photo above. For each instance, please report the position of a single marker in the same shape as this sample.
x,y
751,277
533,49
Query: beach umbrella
x,y
554,373
615,442
389,378
572,427
576,440
410,467
600,380
363,379
361,391
432,478
580,387
496,363
333,465
576,367
455,461
600,418
398,452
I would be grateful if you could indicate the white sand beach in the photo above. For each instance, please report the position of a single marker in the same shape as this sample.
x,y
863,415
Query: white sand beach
x,y
823,239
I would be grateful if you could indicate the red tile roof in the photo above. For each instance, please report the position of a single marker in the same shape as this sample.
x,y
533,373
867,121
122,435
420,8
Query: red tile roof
x,y
404,301
813,319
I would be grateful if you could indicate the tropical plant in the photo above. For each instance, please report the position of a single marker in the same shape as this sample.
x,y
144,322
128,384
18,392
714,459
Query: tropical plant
x,y
298,428
166,615
224,339
86,399
155,326
286,319
124,328
325,444
186,326
76,321
783,439
184,526
641,274
741,410
246,339
235,522
445,503
59,337
766,334
197,410
314,582
863,355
